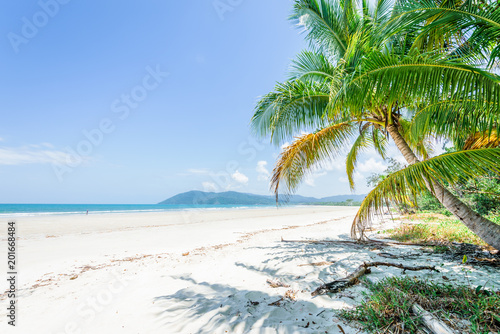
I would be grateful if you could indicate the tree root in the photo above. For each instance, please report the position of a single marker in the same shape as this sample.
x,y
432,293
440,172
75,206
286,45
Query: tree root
x,y
339,285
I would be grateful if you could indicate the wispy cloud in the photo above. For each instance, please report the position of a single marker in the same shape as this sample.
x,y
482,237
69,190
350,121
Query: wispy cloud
x,y
263,172
33,154
285,145
372,166
357,176
333,165
209,186
196,171
310,180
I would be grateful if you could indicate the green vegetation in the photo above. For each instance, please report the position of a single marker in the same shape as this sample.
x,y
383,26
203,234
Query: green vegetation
x,y
482,194
388,306
237,198
434,230
407,71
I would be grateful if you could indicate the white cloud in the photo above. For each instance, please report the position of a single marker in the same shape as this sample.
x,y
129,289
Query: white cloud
x,y
357,176
333,165
33,154
303,19
239,177
371,166
201,171
285,145
310,180
209,186
263,173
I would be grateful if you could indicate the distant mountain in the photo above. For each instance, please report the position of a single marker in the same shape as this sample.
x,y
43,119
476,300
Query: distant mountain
x,y
236,198
343,198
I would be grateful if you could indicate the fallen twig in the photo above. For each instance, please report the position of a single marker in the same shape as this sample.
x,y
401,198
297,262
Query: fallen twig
x,y
277,284
317,264
363,269
276,303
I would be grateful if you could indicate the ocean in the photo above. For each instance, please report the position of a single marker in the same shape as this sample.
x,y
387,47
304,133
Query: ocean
x,y
20,210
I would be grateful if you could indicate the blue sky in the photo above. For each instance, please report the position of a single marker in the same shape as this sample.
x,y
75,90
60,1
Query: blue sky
x,y
133,102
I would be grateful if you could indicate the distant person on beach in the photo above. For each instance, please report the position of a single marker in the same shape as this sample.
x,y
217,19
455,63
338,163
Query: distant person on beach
x,y
87,212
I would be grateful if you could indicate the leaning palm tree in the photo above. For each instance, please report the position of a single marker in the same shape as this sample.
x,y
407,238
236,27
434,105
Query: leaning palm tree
x,y
360,86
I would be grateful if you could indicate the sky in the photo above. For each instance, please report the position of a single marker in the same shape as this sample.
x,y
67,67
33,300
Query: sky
x,y
136,101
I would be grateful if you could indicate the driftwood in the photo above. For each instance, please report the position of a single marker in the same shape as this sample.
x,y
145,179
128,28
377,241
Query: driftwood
x,y
341,284
432,323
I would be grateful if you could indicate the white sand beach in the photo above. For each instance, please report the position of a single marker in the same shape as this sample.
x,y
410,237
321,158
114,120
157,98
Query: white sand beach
x,y
193,272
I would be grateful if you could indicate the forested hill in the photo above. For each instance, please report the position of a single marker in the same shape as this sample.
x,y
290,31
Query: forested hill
x,y
237,198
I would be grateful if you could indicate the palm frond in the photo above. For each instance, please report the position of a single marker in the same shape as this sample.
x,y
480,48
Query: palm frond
x,y
456,120
411,181
313,65
482,140
293,106
327,24
306,152
380,143
387,79
420,144
360,144
476,22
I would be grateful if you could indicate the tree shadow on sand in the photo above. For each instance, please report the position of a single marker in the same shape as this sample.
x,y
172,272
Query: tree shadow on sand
x,y
205,307
217,308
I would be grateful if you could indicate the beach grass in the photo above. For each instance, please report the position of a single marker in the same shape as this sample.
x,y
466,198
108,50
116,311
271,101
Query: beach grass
x,y
387,307
435,228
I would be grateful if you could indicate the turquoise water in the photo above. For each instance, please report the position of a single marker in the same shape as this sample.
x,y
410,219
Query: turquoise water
x,y
51,209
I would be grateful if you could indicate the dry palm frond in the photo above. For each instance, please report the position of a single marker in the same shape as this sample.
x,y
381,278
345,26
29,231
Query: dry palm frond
x,y
305,152
482,140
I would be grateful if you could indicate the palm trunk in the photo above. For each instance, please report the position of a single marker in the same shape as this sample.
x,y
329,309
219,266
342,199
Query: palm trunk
x,y
487,230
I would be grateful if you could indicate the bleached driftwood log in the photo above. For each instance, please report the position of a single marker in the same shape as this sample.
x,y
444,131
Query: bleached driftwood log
x,y
432,323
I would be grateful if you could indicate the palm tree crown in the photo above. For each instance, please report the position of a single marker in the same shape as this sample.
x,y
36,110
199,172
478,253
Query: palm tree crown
x,y
369,76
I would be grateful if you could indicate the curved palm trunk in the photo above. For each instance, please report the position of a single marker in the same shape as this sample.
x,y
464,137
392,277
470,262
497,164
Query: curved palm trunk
x,y
484,228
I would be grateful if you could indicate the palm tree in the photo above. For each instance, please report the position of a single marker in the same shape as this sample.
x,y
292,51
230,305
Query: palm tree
x,y
366,81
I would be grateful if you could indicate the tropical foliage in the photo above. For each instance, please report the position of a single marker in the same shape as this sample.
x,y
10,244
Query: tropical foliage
x,y
407,71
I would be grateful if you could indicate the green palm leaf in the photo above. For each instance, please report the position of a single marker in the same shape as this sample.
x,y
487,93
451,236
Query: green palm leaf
x,y
368,137
293,106
476,22
387,79
455,121
313,65
325,22
357,147
411,181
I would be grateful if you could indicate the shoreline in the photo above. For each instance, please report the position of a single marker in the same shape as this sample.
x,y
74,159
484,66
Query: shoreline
x,y
62,242
205,277
20,215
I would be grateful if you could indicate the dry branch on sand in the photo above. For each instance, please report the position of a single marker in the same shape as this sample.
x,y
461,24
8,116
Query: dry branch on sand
x,y
362,270
317,264
277,284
